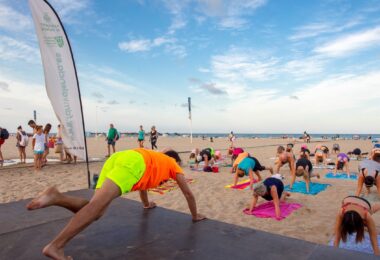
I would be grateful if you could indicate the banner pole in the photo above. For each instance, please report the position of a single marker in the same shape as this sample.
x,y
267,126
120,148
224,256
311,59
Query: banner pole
x,y
79,95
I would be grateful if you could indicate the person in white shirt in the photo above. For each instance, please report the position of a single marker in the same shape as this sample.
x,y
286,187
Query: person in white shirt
x,y
38,147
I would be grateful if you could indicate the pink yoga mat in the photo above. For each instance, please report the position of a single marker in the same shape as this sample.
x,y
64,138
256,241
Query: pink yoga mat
x,y
266,210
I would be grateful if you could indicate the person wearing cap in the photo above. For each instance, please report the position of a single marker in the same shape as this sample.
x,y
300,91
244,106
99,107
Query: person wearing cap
x,y
304,169
342,160
284,158
369,173
271,189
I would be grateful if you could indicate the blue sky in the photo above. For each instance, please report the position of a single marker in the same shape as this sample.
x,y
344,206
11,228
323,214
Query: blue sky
x,y
253,66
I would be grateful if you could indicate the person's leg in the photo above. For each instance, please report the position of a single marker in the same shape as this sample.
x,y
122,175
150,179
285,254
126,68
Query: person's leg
x,y
35,162
109,150
83,218
52,197
113,147
377,183
268,168
24,154
20,153
359,187
347,164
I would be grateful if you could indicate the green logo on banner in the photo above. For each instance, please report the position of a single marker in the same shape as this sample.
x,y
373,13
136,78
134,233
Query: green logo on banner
x,y
47,18
59,40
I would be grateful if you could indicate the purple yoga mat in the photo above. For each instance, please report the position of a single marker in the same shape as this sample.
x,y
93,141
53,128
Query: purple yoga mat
x,y
266,210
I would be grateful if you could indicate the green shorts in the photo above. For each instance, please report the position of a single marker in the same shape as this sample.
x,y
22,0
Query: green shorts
x,y
124,169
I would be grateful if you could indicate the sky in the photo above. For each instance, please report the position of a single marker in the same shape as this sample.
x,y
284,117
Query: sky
x,y
254,66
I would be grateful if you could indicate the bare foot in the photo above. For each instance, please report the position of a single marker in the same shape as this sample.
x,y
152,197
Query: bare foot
x,y
55,253
45,199
151,205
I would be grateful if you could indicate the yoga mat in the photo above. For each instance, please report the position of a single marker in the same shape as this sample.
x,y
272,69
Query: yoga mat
x,y
330,167
243,185
167,186
266,210
300,187
338,175
364,247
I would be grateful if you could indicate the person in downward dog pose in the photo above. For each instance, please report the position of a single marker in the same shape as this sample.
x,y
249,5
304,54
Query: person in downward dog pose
x,y
342,161
131,170
369,173
284,158
354,216
304,168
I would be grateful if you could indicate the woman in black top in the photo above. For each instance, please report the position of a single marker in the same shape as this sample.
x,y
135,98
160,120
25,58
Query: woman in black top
x,y
153,137
270,189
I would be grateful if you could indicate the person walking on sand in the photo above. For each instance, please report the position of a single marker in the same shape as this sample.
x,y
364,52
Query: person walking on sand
x,y
126,171
2,140
59,143
153,137
141,137
32,125
111,139
22,142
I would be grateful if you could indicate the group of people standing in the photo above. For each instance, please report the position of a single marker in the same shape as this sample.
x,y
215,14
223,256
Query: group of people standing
x,y
113,135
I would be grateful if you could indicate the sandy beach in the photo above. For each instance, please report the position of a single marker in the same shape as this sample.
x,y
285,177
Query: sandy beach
x,y
313,222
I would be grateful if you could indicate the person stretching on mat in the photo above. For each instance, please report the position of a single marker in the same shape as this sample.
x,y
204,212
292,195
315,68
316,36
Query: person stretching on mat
x,y
336,148
342,161
369,176
284,158
319,155
247,167
356,154
123,172
326,151
304,153
270,189
303,168
207,156
354,216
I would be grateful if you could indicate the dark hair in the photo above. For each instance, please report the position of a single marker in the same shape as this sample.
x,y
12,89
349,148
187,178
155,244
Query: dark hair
x,y
340,165
280,149
31,122
47,128
352,222
19,127
173,154
369,181
241,174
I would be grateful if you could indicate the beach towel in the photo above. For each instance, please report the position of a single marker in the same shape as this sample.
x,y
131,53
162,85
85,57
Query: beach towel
x,y
167,186
300,187
338,175
364,247
243,185
266,210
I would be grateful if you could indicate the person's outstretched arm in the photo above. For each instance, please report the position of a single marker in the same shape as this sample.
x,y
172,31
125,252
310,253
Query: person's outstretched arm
x,y
236,179
338,223
276,200
254,202
360,185
145,200
189,197
373,234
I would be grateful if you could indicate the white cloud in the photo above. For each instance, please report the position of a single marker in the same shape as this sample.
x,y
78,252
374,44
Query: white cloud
x,y
316,29
304,67
136,45
112,83
12,49
13,20
71,11
350,43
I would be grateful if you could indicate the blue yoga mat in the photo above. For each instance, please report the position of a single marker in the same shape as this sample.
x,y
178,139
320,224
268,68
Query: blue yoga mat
x,y
300,187
364,247
338,175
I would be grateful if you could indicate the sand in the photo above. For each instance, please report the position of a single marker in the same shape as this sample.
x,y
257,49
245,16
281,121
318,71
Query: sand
x,y
314,222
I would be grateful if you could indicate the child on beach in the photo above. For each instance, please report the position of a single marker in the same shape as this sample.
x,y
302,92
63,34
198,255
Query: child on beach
x,y
355,216
270,189
342,161
304,169
141,137
126,171
38,147
369,173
